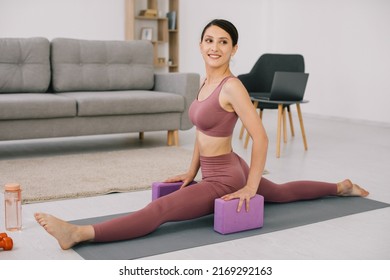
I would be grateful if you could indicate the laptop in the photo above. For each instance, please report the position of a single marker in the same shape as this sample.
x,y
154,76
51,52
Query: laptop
x,y
288,86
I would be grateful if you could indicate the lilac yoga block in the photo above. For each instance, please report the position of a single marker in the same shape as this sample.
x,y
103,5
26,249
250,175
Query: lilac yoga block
x,y
160,189
228,220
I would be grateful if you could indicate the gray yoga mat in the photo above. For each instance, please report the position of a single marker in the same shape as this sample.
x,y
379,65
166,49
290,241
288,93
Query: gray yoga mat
x,y
175,236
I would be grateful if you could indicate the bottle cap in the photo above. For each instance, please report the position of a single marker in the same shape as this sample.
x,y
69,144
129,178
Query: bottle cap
x,y
12,187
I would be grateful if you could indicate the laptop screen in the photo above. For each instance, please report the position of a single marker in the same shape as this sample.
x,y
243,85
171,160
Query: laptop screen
x,y
289,86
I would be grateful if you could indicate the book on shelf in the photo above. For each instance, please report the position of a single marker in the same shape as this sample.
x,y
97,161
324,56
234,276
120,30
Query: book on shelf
x,y
171,20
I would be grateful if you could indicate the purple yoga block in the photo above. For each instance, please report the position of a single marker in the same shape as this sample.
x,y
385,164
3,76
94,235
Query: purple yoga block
x,y
160,188
228,220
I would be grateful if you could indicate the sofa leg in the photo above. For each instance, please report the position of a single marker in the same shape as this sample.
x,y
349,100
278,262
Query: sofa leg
x,y
141,136
173,138
176,137
170,138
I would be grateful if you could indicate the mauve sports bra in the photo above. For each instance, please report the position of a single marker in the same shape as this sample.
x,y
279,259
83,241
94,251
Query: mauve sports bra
x,y
210,118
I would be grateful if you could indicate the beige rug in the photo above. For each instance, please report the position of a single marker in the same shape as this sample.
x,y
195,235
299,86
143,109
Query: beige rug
x,y
89,174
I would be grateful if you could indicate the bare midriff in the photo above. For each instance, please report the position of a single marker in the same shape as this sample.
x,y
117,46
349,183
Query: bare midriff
x,y
210,146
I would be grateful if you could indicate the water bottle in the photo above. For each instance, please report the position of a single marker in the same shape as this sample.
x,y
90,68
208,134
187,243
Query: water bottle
x,y
13,207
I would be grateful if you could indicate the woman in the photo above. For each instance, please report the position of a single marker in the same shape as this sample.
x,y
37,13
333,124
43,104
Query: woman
x,y
221,100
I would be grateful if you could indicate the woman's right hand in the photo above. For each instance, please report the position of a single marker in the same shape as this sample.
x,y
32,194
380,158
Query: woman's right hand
x,y
186,178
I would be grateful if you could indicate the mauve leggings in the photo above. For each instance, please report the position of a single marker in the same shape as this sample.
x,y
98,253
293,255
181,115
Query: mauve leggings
x,y
221,175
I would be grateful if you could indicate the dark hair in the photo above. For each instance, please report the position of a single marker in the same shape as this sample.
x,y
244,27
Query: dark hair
x,y
225,25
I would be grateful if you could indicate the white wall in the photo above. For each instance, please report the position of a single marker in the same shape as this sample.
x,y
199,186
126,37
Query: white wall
x,y
345,42
84,19
346,45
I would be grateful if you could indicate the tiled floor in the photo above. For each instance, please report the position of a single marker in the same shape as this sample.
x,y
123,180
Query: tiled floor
x,y
337,149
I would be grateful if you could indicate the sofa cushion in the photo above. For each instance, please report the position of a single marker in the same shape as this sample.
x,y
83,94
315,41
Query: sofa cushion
x,y
125,102
87,65
35,106
24,64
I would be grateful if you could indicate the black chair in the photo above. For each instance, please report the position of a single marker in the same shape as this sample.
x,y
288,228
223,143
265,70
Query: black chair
x,y
259,80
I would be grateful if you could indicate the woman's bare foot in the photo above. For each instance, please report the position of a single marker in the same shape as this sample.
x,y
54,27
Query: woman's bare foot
x,y
347,188
66,234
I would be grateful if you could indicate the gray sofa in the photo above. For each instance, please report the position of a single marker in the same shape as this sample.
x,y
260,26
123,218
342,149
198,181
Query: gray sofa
x,y
70,87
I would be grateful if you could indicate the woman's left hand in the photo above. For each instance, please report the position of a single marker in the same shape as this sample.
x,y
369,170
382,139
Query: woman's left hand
x,y
244,195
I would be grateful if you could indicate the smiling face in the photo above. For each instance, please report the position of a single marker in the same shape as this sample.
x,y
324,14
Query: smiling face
x,y
217,47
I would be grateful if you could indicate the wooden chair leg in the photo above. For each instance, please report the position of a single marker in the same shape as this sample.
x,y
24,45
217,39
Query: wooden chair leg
x,y
255,104
246,140
302,127
284,126
279,128
242,131
291,121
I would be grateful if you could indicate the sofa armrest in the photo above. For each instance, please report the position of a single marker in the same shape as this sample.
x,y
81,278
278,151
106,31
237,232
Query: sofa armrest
x,y
185,84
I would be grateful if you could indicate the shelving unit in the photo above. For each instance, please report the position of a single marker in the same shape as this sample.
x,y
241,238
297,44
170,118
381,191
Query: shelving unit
x,y
152,14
